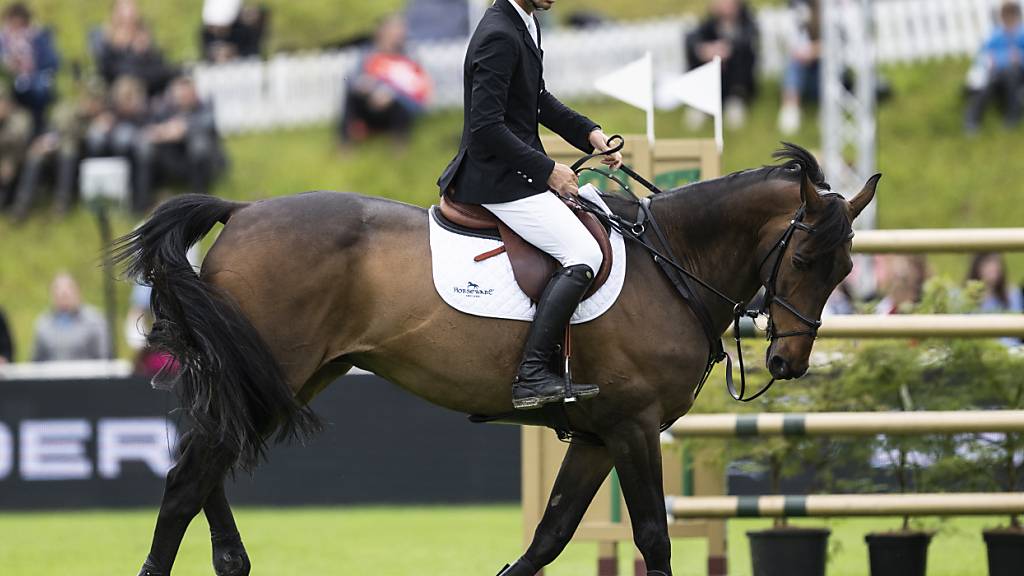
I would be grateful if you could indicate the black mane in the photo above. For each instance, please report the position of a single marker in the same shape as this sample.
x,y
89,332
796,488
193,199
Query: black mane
x,y
795,155
833,225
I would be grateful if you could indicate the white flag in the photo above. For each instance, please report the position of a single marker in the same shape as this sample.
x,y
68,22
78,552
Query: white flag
x,y
700,88
634,85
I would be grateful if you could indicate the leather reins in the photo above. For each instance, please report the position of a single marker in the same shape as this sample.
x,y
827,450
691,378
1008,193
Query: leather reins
x,y
680,277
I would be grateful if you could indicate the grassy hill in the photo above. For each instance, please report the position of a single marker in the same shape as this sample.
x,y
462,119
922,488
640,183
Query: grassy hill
x,y
294,25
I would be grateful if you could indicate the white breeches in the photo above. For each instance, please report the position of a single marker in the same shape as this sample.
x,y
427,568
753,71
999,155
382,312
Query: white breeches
x,y
546,222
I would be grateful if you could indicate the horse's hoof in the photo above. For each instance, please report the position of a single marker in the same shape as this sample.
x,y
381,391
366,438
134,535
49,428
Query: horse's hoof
x,y
231,563
148,569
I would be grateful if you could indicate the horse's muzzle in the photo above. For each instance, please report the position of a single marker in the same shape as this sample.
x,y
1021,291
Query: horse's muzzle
x,y
781,369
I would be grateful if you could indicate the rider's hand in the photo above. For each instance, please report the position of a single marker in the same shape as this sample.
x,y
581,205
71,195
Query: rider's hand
x,y
600,143
564,181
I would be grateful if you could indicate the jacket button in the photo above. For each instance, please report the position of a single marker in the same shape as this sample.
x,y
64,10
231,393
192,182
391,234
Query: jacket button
x,y
530,180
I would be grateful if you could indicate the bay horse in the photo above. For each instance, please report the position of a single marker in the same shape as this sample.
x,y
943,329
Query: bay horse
x,y
298,290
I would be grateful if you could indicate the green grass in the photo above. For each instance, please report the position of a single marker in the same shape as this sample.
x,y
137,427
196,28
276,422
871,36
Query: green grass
x,y
934,177
399,541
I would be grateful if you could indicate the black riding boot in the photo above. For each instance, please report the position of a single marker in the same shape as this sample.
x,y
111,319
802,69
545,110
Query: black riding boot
x,y
520,568
536,384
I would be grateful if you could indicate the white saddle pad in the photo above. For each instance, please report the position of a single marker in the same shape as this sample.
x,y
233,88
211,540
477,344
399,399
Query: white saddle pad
x,y
489,289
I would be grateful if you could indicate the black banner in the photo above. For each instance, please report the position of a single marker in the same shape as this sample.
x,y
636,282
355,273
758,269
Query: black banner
x,y
106,443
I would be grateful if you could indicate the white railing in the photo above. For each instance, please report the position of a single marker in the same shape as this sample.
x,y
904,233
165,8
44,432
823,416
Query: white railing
x,y
307,88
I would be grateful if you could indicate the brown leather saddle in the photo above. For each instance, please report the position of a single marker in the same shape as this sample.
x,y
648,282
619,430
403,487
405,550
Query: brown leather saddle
x,y
531,266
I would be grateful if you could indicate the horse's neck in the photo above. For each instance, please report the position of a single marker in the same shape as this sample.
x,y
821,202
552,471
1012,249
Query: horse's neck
x,y
716,236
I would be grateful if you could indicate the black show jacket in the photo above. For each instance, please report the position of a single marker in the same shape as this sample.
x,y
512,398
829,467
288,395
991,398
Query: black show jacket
x,y
501,158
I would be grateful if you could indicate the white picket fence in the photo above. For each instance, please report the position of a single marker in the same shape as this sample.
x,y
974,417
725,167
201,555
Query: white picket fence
x,y
307,88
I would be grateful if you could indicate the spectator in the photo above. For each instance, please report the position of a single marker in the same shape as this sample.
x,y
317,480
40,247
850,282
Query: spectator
x,y
388,91
800,80
730,33
182,143
71,330
127,49
999,68
902,279
15,134
119,132
28,55
59,150
989,268
232,30
6,342
437,20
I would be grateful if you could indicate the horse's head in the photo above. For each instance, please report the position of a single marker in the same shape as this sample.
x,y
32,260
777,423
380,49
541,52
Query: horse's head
x,y
803,258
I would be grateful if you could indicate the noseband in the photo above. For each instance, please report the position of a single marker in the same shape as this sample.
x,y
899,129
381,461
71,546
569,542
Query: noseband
x,y
678,275
771,296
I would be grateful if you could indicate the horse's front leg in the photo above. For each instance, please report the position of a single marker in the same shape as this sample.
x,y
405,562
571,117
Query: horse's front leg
x,y
229,557
199,469
636,449
583,470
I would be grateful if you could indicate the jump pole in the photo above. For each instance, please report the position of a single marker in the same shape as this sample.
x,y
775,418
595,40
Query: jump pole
x,y
964,504
848,423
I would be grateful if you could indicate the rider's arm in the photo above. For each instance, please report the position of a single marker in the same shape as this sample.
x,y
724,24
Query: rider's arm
x,y
493,66
574,127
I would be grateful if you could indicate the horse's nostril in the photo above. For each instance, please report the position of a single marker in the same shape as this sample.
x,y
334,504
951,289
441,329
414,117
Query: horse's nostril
x,y
778,366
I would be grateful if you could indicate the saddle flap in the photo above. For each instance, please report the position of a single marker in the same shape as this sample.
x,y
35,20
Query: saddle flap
x,y
533,268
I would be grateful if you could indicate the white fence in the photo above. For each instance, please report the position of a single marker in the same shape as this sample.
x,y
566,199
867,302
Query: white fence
x,y
297,89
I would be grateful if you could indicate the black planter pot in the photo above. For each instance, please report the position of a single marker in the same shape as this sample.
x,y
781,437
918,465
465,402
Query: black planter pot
x,y
789,551
898,553
1005,551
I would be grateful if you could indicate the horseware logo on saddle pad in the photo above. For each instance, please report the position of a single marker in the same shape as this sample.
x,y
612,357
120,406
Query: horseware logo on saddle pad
x,y
487,286
473,290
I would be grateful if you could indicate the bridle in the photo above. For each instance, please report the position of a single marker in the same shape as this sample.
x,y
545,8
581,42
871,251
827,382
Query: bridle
x,y
680,277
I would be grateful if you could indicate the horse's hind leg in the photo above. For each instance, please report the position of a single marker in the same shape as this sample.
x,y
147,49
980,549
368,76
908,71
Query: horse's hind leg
x,y
229,557
200,468
636,450
583,470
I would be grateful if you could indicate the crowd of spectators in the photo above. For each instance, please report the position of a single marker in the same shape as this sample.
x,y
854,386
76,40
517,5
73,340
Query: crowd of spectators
x,y
133,104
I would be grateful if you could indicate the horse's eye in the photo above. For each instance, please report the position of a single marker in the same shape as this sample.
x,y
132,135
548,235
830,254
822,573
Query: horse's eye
x,y
801,263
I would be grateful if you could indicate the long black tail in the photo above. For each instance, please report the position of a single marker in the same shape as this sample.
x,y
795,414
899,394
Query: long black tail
x,y
229,383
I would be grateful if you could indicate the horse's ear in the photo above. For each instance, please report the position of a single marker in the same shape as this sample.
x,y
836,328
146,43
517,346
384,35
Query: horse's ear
x,y
809,194
865,196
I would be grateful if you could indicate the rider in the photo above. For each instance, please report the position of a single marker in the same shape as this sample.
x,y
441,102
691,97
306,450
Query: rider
x,y
502,166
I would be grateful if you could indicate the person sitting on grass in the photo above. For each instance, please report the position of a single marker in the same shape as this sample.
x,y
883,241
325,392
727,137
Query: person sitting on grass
x,y
730,33
182,141
126,48
27,53
999,68
118,131
388,91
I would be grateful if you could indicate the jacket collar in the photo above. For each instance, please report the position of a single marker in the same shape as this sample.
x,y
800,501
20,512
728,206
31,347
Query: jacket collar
x,y
510,11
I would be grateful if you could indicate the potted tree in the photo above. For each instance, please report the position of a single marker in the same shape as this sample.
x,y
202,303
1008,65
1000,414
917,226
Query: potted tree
x,y
891,371
785,549
989,462
982,374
